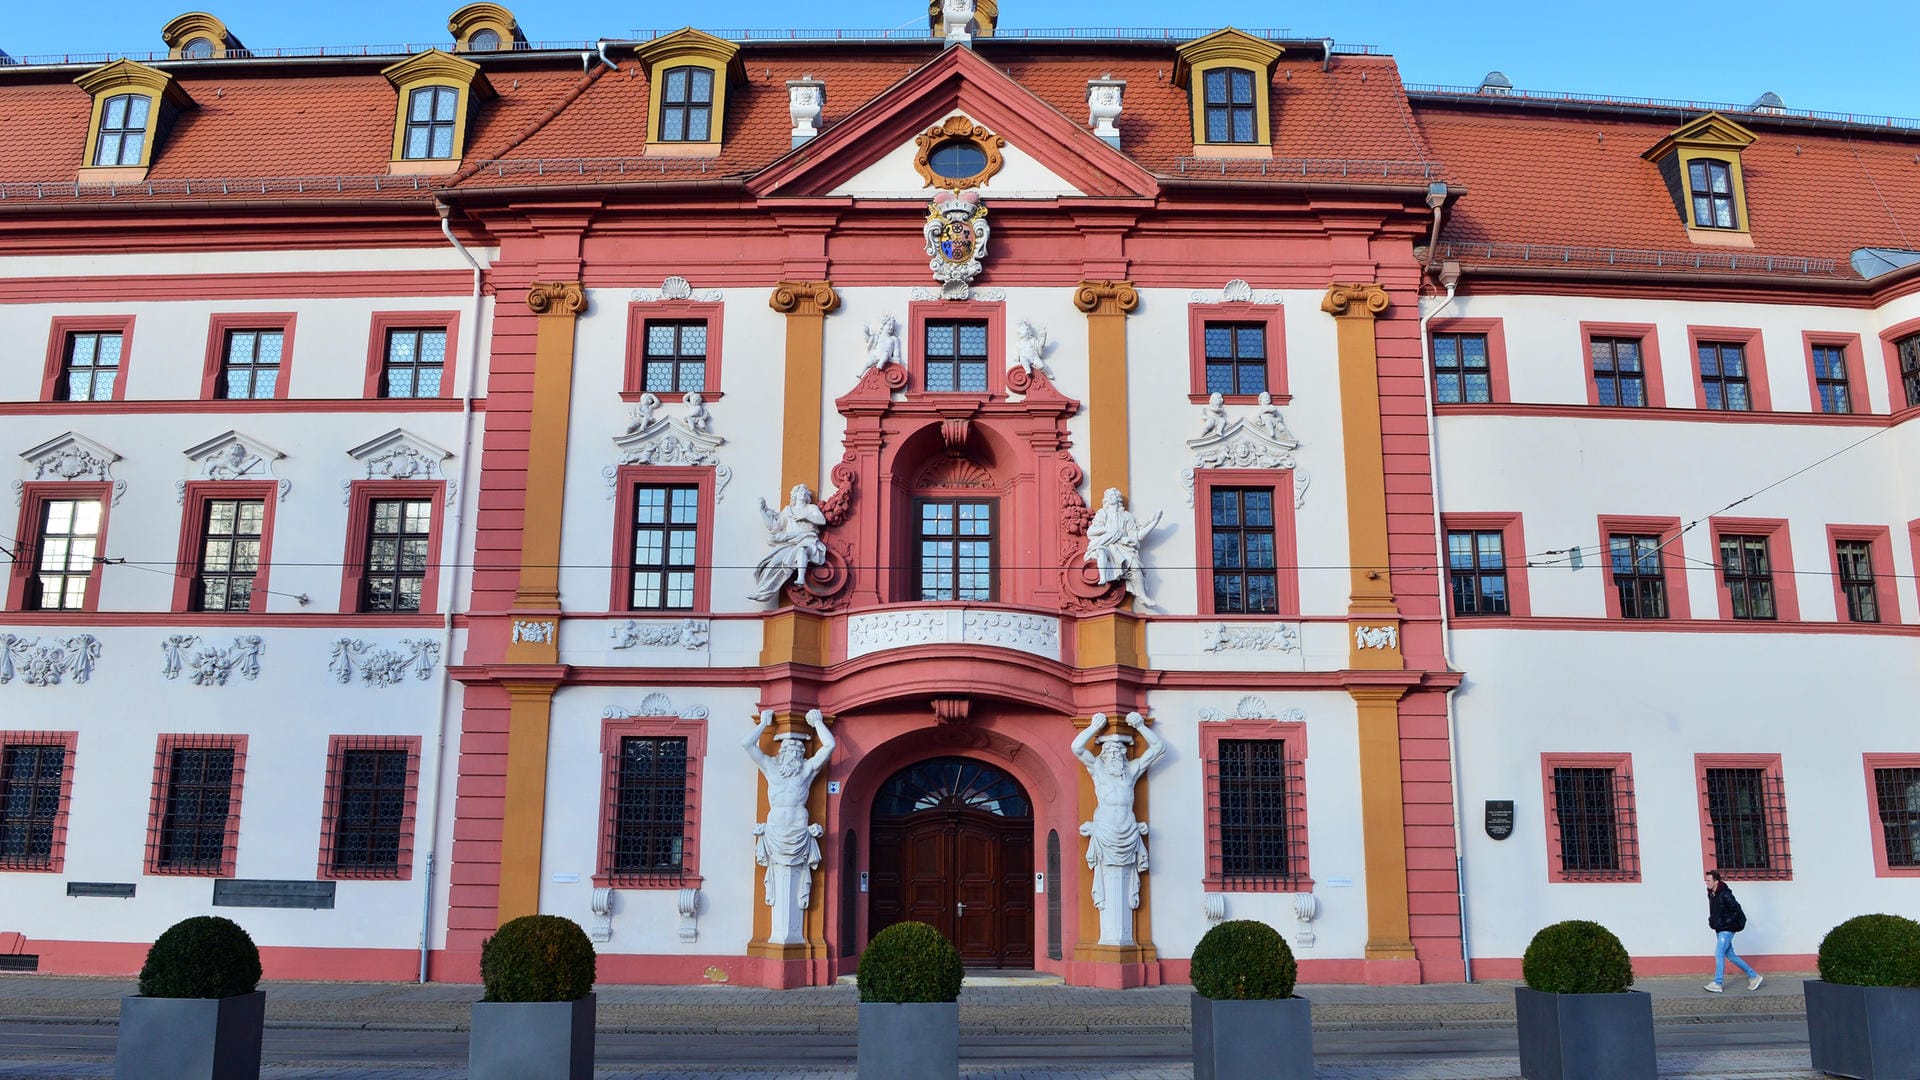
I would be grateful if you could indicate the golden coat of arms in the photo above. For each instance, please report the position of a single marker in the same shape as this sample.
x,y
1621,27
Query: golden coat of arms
x,y
956,233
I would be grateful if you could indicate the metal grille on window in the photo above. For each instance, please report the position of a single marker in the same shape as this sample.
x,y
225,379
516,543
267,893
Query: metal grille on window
x,y
956,357
1723,377
1477,570
123,129
230,539
32,800
415,362
67,547
1748,574
92,365
665,528
1256,805
1593,818
1909,350
686,110
1830,377
1897,797
1460,373
1638,576
398,534
193,806
1229,104
370,820
1236,358
430,121
676,361
1053,894
648,836
953,546
250,367
1747,810
1619,372
1245,579
1855,558
1712,186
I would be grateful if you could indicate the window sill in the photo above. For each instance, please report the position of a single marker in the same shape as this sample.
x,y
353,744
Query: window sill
x,y
254,405
671,397
285,620
1233,150
423,167
1239,399
1667,413
683,149
1739,238
1293,885
112,174
647,884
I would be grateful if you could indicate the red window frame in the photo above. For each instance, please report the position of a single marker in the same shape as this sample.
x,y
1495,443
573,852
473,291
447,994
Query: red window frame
x,y
384,321
991,312
1753,352
1513,541
337,747
1285,537
675,727
1494,330
1882,863
1673,564
1271,317
1856,366
65,325
1890,339
1625,819
360,497
1886,590
633,380
626,480
33,499
1294,735
157,808
1781,860
193,523
217,329
69,741
1786,594
1649,337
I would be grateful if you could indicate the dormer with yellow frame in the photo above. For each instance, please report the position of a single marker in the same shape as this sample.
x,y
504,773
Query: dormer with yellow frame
x,y
1700,163
479,28
437,94
200,36
1228,76
133,107
688,74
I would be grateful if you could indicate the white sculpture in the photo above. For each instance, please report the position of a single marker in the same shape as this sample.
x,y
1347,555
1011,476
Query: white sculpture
x,y
1270,420
805,98
956,232
1104,101
956,16
643,411
699,420
787,843
1030,348
883,345
1213,417
794,535
1116,840
1113,544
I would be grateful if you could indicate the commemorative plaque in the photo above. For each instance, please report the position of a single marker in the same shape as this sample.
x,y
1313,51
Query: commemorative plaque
x,y
1499,818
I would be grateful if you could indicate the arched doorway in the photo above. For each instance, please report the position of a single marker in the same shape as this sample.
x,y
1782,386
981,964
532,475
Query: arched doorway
x,y
952,846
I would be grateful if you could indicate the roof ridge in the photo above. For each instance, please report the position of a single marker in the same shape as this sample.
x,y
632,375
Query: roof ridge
x,y
533,126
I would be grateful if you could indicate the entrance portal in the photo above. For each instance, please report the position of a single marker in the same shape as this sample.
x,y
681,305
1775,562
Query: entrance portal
x,y
953,847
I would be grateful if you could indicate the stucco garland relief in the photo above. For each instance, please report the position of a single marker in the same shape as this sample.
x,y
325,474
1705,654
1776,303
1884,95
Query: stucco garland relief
x,y
1254,707
655,704
689,634
46,661
675,287
400,455
68,457
667,440
378,667
1265,443
921,292
211,665
534,631
1236,291
1376,637
879,631
233,456
1265,637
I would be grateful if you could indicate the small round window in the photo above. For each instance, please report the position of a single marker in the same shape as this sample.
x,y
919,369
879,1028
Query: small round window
x,y
957,159
484,41
198,49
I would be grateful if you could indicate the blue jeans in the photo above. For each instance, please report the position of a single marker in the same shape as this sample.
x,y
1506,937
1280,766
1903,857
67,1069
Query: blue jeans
x,y
1723,952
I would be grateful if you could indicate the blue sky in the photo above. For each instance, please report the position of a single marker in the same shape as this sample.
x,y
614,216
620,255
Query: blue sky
x,y
1860,59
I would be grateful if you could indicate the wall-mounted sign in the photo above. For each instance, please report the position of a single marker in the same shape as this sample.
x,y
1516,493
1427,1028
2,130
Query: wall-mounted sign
x,y
245,892
1499,818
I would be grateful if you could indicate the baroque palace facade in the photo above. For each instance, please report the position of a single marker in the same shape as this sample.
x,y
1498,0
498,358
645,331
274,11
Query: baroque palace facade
x,y
740,491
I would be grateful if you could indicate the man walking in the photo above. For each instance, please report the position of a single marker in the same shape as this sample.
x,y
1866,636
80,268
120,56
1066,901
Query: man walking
x,y
1726,919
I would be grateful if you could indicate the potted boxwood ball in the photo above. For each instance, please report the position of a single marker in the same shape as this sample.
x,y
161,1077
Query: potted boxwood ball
x,y
1246,1021
199,1011
1863,1012
909,1012
1578,1019
536,1020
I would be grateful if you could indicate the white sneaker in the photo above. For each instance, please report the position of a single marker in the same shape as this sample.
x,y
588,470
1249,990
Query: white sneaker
x,y
1715,988
1754,983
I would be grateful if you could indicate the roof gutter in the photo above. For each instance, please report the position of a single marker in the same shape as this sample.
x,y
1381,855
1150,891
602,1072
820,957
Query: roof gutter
x,y
451,195
410,201
1414,192
1690,278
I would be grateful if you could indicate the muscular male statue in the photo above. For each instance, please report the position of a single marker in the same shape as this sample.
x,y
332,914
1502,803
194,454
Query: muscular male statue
x,y
1116,840
787,843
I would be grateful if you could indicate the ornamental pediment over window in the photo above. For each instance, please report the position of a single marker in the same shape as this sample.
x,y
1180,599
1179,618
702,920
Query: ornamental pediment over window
x,y
233,456
400,455
68,457
1261,442
653,438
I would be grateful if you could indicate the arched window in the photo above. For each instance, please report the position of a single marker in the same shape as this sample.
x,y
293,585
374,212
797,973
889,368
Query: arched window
x,y
951,783
198,49
484,41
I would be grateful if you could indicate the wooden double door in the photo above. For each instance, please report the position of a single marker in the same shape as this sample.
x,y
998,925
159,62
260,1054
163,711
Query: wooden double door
x,y
963,869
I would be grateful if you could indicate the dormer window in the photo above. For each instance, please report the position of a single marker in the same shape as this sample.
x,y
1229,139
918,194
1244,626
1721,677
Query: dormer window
x,y
1700,163
1229,103
123,130
484,27
198,49
133,105
430,120
1712,185
436,95
688,73
1228,76
199,36
686,113
484,41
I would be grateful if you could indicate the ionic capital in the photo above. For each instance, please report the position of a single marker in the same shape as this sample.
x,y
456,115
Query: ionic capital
x,y
803,298
556,298
1354,301
1106,297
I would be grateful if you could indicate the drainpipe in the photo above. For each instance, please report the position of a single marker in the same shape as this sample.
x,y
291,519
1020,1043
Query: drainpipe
x,y
450,588
602,45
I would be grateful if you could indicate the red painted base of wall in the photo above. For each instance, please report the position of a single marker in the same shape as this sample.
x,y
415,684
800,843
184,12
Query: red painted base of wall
x,y
124,958
1110,976
1655,966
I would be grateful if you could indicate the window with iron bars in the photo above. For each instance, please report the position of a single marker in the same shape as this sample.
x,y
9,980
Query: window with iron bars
x,y
195,797
1257,809
1594,823
1897,798
648,834
32,801
369,821
1747,819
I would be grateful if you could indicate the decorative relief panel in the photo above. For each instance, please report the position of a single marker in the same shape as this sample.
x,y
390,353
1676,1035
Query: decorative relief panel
x,y
68,457
882,630
380,667
665,440
676,288
211,665
1254,707
1376,637
1261,637
533,631
1262,443
43,661
401,455
655,704
921,292
233,456
689,634
1236,290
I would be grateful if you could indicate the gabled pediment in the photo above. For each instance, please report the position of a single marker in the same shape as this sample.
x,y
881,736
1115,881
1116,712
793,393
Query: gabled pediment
x,y
1712,131
234,456
667,440
401,455
69,457
1064,154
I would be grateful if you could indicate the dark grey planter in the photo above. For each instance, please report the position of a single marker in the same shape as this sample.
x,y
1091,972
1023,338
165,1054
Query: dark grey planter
x,y
532,1040
1585,1036
190,1038
1268,1039
919,1041
1866,1032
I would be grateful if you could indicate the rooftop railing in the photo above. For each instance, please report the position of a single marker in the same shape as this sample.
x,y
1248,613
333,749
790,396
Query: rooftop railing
x,y
1618,101
1309,168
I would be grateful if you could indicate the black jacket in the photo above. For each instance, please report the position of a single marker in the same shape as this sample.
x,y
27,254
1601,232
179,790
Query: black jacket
x,y
1723,911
